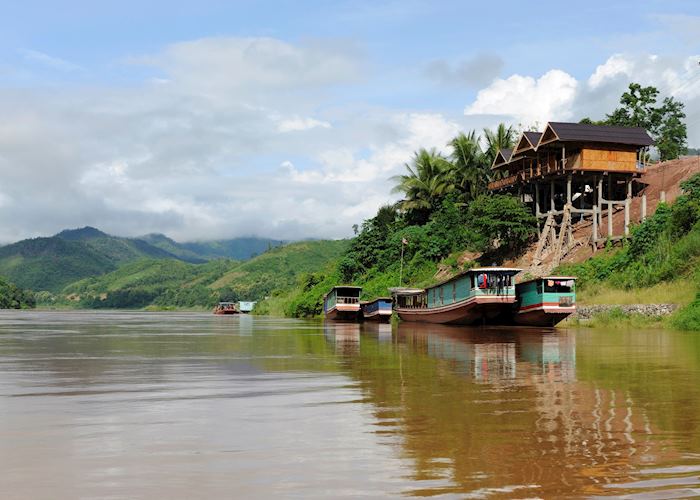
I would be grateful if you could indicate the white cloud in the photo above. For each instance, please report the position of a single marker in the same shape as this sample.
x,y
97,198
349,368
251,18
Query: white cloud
x,y
49,61
546,98
198,151
556,95
236,136
297,124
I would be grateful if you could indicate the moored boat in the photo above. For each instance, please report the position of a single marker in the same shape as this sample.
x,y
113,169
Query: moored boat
x,y
378,309
479,296
545,301
342,303
226,308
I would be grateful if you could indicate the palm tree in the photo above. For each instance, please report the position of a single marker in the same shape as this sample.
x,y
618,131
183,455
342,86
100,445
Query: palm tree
x,y
469,173
427,181
503,137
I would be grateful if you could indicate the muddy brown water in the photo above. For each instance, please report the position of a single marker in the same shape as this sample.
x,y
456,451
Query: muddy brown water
x,y
147,405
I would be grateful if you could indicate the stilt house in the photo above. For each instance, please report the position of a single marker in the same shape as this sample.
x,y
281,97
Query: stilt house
x,y
572,172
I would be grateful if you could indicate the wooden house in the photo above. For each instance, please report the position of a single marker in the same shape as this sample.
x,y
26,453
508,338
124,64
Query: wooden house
x,y
573,171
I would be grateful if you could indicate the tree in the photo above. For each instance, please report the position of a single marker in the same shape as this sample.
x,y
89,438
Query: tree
x,y
470,166
503,219
503,137
427,181
664,123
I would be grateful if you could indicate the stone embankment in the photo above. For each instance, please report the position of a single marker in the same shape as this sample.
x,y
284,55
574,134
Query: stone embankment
x,y
651,310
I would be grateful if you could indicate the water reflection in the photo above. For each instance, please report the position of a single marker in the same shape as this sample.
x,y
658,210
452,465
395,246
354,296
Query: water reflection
x,y
117,405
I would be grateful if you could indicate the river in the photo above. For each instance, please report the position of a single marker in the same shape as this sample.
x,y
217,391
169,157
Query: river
x,y
174,405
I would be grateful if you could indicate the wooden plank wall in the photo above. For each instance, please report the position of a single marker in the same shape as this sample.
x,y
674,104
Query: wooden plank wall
x,y
607,160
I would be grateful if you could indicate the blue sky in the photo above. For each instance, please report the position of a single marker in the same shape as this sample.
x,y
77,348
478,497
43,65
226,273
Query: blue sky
x,y
311,106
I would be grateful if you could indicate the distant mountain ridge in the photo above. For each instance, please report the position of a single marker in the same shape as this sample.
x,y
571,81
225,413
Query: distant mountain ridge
x,y
51,263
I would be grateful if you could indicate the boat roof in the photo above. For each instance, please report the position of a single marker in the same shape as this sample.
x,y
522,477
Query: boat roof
x,y
493,268
376,299
226,303
346,286
549,278
474,270
406,291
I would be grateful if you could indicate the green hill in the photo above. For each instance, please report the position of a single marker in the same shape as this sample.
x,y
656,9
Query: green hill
x,y
201,251
280,267
52,263
236,248
173,283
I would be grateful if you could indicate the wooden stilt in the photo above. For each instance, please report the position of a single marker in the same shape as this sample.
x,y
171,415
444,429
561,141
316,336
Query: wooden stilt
x,y
610,207
628,203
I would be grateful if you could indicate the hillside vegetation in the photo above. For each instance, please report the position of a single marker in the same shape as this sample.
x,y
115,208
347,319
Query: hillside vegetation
x,y
242,248
170,283
13,297
51,263
664,249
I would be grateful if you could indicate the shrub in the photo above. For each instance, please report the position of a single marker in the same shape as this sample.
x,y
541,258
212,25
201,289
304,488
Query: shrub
x,y
688,318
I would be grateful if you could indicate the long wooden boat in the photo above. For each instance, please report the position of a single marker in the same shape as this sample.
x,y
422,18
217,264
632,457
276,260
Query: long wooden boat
x,y
226,308
378,309
342,303
545,301
483,295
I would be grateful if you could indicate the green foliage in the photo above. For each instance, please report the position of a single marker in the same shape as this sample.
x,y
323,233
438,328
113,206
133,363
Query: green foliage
x,y
664,248
503,137
51,263
664,122
13,297
428,180
646,234
688,318
502,218
173,283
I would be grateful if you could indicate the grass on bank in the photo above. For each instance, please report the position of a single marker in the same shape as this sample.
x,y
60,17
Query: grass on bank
x,y
680,291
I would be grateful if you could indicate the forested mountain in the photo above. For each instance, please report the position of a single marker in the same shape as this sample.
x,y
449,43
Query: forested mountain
x,y
199,251
236,248
51,263
172,283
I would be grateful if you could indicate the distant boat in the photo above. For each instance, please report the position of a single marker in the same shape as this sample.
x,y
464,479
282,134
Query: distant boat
x,y
378,309
478,296
342,303
545,301
226,308
246,307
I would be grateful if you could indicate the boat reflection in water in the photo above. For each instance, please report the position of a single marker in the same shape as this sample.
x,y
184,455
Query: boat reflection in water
x,y
469,405
382,331
344,336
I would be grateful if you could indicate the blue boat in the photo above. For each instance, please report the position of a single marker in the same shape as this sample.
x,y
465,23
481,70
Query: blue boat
x,y
379,309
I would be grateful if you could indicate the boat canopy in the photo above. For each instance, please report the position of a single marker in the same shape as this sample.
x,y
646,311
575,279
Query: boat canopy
x,y
406,291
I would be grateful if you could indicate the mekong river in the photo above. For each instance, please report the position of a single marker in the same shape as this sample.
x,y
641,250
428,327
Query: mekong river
x,y
149,405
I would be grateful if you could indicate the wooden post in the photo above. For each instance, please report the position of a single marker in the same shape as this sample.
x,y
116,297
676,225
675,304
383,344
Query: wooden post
x,y
600,200
537,200
644,207
610,207
568,189
563,157
551,196
628,202
662,198
595,228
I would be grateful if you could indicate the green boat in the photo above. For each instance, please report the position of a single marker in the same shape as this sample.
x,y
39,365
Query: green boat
x,y
545,301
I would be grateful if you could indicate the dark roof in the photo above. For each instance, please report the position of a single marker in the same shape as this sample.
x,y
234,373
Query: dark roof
x,y
533,137
584,132
504,153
